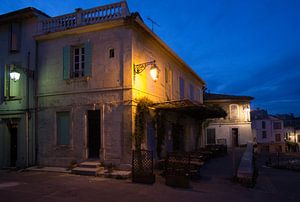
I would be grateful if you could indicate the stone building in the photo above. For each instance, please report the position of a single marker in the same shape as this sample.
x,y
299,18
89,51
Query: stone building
x,y
94,66
17,104
235,128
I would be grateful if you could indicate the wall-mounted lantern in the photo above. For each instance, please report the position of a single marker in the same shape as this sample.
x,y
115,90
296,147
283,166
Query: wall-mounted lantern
x,y
14,75
154,70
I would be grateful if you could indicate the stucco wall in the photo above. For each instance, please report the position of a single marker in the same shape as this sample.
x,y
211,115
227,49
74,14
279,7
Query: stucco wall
x,y
107,90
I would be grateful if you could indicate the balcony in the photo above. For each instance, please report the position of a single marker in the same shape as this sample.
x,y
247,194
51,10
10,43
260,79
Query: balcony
x,y
84,17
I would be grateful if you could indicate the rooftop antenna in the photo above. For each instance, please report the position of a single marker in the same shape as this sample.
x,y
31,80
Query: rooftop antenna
x,y
153,23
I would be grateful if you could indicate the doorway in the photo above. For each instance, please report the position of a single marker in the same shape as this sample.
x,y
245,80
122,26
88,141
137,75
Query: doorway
x,y
94,139
235,137
13,130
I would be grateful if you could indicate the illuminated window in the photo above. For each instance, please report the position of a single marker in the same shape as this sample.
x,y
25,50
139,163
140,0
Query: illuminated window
x,y
298,138
63,125
211,136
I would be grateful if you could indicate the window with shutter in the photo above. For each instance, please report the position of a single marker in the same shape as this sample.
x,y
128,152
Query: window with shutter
x,y
77,61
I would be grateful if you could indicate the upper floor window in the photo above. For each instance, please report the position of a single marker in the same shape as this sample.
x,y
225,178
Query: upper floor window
x,y
277,125
15,37
77,61
181,87
263,124
168,83
234,113
191,91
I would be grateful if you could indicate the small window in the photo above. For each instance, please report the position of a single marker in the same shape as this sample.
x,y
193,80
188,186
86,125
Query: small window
x,y
63,125
277,138
15,37
263,125
111,53
277,125
264,134
211,136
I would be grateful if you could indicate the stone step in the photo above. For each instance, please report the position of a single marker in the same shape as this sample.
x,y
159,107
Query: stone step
x,y
90,164
87,171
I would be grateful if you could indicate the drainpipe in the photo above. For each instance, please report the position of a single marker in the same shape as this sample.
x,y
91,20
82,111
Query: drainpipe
x,y
28,110
35,90
102,132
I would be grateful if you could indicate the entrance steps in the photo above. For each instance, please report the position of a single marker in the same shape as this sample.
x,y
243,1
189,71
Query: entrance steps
x,y
91,168
94,168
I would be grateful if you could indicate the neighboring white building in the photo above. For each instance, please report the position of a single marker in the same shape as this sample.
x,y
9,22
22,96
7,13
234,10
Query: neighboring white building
x,y
269,131
236,127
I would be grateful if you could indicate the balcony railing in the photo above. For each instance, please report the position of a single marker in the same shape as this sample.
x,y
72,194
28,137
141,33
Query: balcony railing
x,y
84,17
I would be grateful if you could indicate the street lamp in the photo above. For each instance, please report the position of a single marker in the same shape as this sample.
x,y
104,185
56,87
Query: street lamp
x,y
154,70
15,75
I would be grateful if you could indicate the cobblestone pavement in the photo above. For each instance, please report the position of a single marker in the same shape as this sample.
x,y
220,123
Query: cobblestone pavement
x,y
215,185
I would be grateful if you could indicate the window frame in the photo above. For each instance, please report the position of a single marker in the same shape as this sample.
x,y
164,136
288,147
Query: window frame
x,y
81,62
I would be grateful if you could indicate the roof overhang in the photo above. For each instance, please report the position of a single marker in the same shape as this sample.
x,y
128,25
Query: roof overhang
x,y
190,108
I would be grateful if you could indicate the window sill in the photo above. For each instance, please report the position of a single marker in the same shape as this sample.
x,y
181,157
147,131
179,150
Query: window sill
x,y
78,79
12,98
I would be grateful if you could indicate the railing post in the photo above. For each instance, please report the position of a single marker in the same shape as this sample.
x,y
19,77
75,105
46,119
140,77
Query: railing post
x,y
125,10
78,16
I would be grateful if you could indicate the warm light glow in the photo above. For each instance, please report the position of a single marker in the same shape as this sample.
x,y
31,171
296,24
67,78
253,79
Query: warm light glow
x,y
15,76
154,72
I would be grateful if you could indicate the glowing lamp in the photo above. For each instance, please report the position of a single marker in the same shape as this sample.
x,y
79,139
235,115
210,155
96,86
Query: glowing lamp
x,y
15,76
154,72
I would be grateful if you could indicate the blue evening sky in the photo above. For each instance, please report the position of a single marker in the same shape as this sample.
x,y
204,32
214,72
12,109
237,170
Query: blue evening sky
x,y
242,47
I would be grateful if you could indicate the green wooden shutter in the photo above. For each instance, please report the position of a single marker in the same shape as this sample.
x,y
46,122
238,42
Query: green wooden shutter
x,y
1,84
66,62
63,125
88,59
6,81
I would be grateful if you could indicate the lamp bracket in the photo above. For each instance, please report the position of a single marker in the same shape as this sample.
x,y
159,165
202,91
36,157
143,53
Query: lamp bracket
x,y
139,68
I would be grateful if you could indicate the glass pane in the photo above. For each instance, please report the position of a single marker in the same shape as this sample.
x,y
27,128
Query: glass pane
x,y
82,50
77,66
76,51
82,58
76,58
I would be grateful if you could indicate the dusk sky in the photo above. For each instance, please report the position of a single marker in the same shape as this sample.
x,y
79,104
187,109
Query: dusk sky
x,y
240,47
